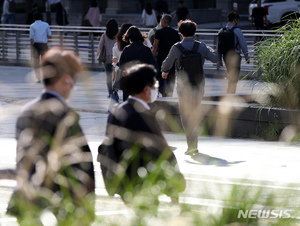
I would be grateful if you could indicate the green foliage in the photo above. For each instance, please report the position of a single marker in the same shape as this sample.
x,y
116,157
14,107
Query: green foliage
x,y
278,61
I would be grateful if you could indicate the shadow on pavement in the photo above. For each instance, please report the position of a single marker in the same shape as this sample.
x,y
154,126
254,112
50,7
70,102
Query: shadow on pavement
x,y
204,159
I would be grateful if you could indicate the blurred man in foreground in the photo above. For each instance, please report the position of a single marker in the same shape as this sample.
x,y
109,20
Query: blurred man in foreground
x,y
54,163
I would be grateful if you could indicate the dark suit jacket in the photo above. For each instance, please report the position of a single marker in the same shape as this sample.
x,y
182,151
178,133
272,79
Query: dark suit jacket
x,y
137,51
137,134
52,146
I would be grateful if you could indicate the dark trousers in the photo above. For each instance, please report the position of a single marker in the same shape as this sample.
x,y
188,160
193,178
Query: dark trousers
x,y
38,50
108,70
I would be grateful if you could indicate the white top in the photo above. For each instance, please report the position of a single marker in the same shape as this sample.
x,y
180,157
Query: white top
x,y
116,52
149,20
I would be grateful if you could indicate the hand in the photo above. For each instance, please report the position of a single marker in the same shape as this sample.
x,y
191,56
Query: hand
x,y
248,61
164,75
100,63
220,63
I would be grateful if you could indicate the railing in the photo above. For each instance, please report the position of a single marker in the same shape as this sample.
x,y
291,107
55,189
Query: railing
x,y
15,42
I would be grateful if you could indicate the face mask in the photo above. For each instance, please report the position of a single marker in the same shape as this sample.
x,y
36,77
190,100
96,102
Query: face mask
x,y
154,93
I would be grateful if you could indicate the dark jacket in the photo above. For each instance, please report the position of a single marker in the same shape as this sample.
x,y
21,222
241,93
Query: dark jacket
x,y
53,158
137,51
137,134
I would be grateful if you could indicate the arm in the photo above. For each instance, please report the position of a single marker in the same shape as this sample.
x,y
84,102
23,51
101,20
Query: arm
x,y
31,35
169,61
100,45
211,55
242,43
49,32
155,46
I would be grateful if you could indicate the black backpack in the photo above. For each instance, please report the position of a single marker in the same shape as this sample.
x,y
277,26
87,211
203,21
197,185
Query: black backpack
x,y
11,6
226,40
191,64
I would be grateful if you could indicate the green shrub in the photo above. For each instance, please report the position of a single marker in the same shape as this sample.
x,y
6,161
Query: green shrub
x,y
278,61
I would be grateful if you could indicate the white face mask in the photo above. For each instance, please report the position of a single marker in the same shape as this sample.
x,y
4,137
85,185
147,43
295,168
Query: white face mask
x,y
154,93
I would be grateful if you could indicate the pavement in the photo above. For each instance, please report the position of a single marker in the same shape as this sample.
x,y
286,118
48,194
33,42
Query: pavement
x,y
222,160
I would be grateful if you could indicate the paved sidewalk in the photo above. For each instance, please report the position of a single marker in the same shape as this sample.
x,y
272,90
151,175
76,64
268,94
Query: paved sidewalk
x,y
241,158
253,164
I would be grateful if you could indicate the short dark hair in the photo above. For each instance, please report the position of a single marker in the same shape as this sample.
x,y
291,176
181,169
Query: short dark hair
x,y
94,3
37,15
138,77
167,18
187,28
133,34
232,16
181,2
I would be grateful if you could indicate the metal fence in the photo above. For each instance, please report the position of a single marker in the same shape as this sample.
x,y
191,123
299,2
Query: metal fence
x,y
15,43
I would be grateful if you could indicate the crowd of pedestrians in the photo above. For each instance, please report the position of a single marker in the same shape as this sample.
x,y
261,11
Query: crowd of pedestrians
x,y
48,130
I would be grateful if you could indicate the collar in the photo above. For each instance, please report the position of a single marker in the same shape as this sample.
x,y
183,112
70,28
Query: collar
x,y
188,40
141,101
45,91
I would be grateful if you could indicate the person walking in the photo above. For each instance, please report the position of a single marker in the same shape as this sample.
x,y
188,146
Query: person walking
x,y
9,10
107,41
164,39
151,33
39,34
54,162
258,16
117,51
139,143
92,17
30,19
233,58
149,16
189,96
182,13
135,52
61,15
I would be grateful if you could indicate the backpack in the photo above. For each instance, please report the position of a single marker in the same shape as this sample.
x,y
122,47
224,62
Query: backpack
x,y
191,64
11,6
226,40
153,36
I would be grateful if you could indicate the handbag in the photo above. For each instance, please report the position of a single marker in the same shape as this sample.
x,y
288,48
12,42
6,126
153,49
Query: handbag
x,y
102,56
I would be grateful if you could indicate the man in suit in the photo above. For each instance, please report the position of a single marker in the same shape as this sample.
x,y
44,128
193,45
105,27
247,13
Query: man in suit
x,y
54,162
139,143
165,38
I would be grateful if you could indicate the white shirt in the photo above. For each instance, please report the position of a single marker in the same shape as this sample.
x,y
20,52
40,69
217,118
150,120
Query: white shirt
x,y
39,31
149,20
141,101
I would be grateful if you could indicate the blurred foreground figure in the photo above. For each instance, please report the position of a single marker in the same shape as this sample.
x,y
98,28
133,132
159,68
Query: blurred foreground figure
x,y
136,161
55,172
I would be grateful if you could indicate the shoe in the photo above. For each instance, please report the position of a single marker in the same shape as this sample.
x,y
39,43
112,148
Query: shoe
x,y
108,96
191,151
38,81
